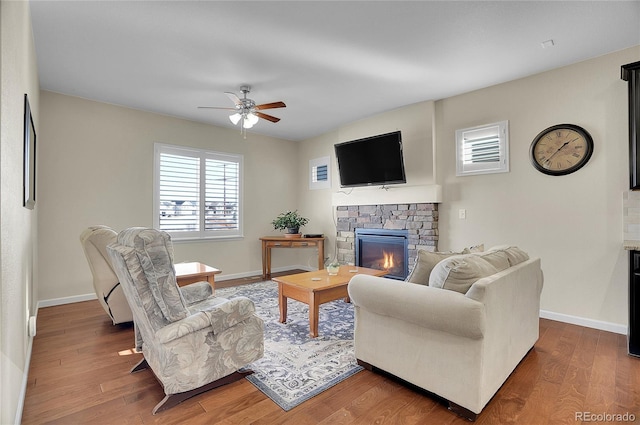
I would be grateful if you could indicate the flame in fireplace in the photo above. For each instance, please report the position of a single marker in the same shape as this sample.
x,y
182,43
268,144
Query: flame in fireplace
x,y
388,262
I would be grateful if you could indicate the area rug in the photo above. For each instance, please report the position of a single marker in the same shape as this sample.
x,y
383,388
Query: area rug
x,y
296,367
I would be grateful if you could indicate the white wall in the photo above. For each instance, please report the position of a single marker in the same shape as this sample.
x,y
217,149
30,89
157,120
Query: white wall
x,y
97,168
18,234
573,223
415,123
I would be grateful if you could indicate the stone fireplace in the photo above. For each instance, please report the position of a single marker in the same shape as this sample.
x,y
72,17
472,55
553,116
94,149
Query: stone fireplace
x,y
419,220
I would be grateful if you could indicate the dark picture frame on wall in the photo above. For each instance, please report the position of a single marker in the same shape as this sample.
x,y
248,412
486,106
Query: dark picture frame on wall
x,y
29,161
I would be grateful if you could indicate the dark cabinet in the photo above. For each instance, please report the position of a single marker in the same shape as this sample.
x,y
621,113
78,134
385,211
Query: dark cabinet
x,y
634,303
631,74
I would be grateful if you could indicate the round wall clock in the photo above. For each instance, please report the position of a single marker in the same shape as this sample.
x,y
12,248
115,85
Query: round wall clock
x,y
561,149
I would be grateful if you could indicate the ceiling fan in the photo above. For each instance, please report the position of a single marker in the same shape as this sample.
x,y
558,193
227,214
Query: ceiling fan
x,y
246,111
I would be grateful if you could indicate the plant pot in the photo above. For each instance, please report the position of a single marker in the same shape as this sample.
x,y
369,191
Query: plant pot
x,y
292,230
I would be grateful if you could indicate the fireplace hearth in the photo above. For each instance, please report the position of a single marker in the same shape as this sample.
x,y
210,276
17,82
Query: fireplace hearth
x,y
383,249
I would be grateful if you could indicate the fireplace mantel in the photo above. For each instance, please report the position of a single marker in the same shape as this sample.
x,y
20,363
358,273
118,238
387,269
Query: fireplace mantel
x,y
394,194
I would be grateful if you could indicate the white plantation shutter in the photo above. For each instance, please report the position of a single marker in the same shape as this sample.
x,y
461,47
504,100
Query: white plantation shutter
x,y
197,193
222,194
179,192
483,149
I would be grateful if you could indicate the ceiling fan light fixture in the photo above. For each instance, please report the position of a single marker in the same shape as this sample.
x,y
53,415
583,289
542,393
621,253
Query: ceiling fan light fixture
x,y
235,118
247,123
253,119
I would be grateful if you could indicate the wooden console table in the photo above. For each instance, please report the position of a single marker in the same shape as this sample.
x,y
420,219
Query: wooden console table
x,y
269,242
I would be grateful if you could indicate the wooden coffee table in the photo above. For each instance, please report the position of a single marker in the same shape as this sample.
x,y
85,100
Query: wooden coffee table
x,y
315,288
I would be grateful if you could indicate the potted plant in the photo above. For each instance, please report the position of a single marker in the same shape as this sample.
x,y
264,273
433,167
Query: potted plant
x,y
290,221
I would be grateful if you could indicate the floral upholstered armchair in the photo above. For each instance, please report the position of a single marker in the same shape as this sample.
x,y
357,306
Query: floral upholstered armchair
x,y
191,340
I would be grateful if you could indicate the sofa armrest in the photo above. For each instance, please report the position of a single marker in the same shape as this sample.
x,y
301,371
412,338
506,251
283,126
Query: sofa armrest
x,y
433,308
196,292
219,318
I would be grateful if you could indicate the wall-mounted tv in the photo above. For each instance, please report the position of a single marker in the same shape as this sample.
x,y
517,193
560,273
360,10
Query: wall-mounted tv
x,y
371,161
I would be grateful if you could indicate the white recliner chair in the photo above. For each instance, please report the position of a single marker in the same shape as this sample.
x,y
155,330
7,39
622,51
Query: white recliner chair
x,y
105,282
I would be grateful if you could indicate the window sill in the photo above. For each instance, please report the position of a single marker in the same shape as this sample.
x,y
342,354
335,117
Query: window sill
x,y
207,239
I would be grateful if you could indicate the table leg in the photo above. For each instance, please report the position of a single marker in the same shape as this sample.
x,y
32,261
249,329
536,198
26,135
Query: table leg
x,y
314,313
264,261
268,264
212,281
320,254
282,300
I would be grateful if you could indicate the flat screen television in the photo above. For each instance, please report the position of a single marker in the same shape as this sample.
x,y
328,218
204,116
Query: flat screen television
x,y
372,161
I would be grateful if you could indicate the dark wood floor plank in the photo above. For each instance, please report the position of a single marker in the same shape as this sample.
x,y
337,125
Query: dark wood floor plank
x,y
80,364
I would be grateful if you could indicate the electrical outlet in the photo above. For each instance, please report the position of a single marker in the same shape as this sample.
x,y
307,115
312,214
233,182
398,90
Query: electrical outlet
x,y
462,214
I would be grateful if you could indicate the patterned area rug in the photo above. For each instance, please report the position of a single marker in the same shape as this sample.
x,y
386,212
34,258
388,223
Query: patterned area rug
x,y
296,367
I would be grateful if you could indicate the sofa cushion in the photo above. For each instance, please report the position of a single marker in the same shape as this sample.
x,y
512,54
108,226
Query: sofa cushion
x,y
513,253
499,259
474,248
425,262
459,272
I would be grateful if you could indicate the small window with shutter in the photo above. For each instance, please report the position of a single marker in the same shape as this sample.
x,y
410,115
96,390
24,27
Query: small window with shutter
x,y
483,149
319,177
197,193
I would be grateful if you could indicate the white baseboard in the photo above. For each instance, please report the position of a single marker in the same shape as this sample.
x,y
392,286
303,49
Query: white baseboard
x,y
66,300
25,381
545,314
581,321
221,278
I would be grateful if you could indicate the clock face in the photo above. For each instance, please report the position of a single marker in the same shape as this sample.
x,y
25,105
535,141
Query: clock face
x,y
561,149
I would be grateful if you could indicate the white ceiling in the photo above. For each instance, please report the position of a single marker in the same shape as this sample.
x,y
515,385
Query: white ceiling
x,y
331,62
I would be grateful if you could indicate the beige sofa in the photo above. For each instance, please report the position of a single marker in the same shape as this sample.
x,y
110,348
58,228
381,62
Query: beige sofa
x,y
459,343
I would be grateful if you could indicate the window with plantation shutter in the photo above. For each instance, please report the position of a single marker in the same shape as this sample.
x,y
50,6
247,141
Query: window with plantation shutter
x,y
197,193
319,175
483,149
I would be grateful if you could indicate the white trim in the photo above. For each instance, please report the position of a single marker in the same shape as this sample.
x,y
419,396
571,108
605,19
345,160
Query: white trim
x,y
313,165
396,194
588,323
544,314
467,137
25,381
219,278
66,300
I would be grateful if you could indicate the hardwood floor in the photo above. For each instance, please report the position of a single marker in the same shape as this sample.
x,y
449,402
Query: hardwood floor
x,y
80,363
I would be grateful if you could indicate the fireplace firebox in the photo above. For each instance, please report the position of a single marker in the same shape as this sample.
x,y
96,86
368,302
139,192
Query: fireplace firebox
x,y
383,249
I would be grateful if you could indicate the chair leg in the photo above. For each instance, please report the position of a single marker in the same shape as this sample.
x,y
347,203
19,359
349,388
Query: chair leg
x,y
171,400
141,365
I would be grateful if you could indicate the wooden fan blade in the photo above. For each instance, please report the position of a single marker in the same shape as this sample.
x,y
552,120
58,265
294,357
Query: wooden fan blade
x,y
216,107
267,117
272,105
235,99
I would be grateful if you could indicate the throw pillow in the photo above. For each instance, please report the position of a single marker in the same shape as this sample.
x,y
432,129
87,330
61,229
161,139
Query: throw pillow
x,y
516,255
425,262
460,272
